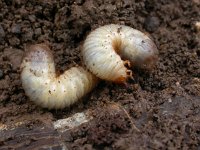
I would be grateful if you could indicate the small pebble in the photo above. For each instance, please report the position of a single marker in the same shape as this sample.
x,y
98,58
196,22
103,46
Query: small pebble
x,y
169,100
14,41
151,23
197,25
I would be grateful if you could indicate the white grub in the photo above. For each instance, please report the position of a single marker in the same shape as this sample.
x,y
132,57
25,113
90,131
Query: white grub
x,y
72,122
48,89
105,47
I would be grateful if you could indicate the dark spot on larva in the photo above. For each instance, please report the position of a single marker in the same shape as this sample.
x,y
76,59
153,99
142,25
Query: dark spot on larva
x,y
93,64
45,83
26,60
49,92
119,29
143,41
58,81
54,90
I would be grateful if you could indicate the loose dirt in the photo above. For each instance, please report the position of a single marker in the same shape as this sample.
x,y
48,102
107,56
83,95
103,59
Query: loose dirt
x,y
158,109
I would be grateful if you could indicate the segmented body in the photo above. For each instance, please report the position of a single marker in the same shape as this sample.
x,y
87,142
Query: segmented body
x,y
106,47
47,89
106,52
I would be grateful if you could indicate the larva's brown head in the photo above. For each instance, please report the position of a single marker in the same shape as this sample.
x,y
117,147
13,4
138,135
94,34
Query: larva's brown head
x,y
38,53
39,59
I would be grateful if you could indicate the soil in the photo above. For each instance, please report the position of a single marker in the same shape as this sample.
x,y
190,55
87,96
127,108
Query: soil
x,y
161,108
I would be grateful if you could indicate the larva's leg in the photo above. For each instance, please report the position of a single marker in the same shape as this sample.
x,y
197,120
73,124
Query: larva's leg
x,y
129,74
127,63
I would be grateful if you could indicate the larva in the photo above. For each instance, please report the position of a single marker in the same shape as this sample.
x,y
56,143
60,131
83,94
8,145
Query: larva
x,y
48,89
105,47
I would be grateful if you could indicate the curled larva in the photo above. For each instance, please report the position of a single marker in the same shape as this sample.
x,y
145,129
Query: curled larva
x,y
48,89
106,47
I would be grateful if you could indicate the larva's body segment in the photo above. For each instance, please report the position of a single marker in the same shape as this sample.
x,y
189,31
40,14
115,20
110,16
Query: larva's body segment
x,y
44,87
105,47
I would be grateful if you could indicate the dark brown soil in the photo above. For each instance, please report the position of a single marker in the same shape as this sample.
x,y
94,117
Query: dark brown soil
x,y
164,104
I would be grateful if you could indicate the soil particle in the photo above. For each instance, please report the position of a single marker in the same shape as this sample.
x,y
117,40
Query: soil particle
x,y
14,57
16,29
2,33
1,73
151,23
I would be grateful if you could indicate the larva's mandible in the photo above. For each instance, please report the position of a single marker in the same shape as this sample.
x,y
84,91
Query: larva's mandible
x,y
47,89
106,47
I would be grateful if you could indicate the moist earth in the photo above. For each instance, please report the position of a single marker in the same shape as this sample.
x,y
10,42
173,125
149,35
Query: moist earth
x,y
159,109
